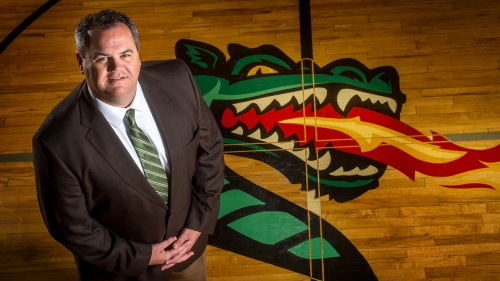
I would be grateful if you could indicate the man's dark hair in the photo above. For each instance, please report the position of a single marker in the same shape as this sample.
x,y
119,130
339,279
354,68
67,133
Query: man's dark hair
x,y
105,19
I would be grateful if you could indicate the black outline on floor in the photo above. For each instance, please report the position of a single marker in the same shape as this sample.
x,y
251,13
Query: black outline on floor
x,y
27,22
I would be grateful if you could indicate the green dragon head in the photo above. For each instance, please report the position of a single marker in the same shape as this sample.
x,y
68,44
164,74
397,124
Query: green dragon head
x,y
253,92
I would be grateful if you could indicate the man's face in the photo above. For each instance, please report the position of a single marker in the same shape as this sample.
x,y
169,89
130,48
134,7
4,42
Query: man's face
x,y
111,65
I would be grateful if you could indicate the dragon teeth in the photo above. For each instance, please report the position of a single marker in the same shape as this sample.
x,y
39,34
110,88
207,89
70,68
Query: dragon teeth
x,y
319,164
289,145
286,98
238,131
273,138
255,135
322,163
343,98
283,99
302,154
369,171
345,95
321,94
258,136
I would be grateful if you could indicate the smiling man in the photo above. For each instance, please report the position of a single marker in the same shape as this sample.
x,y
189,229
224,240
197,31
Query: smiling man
x,y
129,165
110,63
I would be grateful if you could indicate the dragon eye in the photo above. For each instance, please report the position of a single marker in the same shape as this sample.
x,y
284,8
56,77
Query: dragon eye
x,y
352,75
260,70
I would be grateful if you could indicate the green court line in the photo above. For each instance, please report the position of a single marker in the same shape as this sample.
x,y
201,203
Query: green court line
x,y
473,136
28,157
24,157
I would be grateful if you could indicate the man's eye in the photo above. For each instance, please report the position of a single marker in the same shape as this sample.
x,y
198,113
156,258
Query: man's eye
x,y
100,59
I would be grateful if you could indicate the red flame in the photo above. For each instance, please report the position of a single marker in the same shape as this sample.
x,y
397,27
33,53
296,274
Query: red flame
x,y
385,153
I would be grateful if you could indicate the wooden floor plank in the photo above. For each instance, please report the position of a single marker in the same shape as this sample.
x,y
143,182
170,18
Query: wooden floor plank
x,y
446,53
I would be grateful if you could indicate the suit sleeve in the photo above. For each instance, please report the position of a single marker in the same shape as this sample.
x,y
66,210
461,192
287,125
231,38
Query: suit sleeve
x,y
209,176
65,214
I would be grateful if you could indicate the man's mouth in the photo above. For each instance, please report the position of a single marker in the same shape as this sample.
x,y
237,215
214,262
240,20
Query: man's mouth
x,y
115,77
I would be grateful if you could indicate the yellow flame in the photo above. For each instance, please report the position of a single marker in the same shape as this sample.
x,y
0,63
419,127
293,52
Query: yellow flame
x,y
489,176
370,136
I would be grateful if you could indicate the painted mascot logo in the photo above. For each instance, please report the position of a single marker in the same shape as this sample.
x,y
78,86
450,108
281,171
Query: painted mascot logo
x,y
332,129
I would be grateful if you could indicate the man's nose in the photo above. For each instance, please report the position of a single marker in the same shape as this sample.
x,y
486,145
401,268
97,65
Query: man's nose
x,y
114,64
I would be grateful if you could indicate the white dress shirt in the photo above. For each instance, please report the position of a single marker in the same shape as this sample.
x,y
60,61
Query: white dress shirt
x,y
144,120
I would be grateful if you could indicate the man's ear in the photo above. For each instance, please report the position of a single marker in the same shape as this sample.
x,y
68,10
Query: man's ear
x,y
79,59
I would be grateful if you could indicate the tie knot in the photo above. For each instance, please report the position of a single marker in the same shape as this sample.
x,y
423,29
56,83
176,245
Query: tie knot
x,y
130,115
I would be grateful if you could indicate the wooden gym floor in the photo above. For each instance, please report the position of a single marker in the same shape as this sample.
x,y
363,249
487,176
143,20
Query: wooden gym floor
x,y
447,54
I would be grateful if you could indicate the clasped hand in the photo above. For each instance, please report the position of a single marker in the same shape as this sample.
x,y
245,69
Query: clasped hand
x,y
179,252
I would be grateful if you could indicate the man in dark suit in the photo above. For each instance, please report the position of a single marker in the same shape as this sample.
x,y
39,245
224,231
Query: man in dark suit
x,y
95,191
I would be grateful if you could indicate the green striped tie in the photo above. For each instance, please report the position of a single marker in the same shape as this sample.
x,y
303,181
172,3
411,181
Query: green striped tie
x,y
151,164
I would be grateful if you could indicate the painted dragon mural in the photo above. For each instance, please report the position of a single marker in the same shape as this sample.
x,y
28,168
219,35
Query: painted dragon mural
x,y
333,130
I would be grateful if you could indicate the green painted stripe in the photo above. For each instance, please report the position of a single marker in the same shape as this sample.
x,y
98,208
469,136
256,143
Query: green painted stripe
x,y
473,136
341,184
253,147
24,157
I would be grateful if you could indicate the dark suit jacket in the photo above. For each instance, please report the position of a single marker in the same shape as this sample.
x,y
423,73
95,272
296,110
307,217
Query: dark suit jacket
x,y
98,204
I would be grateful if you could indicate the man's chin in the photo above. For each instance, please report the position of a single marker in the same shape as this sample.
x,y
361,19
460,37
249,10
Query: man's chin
x,y
117,97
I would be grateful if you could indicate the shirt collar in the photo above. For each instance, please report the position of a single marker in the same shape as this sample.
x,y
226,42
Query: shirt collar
x,y
114,115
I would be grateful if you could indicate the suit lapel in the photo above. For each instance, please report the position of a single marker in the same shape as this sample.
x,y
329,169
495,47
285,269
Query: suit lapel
x,y
168,123
104,140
